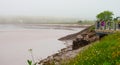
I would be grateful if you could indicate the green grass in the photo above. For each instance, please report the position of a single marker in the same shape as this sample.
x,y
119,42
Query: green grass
x,y
104,52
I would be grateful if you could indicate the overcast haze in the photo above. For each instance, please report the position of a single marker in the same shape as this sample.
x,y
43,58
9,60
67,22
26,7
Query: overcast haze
x,y
84,9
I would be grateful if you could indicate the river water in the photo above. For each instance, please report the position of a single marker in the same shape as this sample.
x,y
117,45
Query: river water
x,y
16,40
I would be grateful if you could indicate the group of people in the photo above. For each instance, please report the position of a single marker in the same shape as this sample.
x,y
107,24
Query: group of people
x,y
101,24
107,25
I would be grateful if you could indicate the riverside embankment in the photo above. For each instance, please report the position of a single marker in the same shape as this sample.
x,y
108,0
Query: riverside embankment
x,y
67,53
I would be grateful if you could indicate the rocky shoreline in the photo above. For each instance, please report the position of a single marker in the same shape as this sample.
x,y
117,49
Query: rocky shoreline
x,y
79,40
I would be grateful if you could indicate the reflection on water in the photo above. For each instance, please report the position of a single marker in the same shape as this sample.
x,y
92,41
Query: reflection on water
x,y
15,42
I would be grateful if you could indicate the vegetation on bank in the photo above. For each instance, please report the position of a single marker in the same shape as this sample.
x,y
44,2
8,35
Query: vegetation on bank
x,y
104,52
86,22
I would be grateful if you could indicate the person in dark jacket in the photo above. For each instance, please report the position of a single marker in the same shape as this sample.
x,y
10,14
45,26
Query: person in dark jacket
x,y
98,24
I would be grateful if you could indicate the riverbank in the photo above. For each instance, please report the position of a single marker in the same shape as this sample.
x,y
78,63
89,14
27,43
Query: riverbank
x,y
47,26
55,26
69,52
103,52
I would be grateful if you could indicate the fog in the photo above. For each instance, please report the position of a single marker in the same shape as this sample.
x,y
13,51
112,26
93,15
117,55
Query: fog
x,y
83,9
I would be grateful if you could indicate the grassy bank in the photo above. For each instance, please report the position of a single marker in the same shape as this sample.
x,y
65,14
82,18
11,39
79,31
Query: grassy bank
x,y
104,52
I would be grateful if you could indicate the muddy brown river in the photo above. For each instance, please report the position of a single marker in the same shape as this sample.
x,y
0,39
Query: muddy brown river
x,y
16,40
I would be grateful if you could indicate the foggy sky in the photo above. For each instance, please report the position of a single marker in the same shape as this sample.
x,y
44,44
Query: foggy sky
x,y
84,9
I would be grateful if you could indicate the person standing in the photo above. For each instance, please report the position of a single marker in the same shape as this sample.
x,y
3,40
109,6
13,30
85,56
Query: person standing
x,y
103,24
109,25
98,24
118,25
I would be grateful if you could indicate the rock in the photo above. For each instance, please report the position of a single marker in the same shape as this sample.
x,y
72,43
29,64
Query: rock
x,y
79,43
84,38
